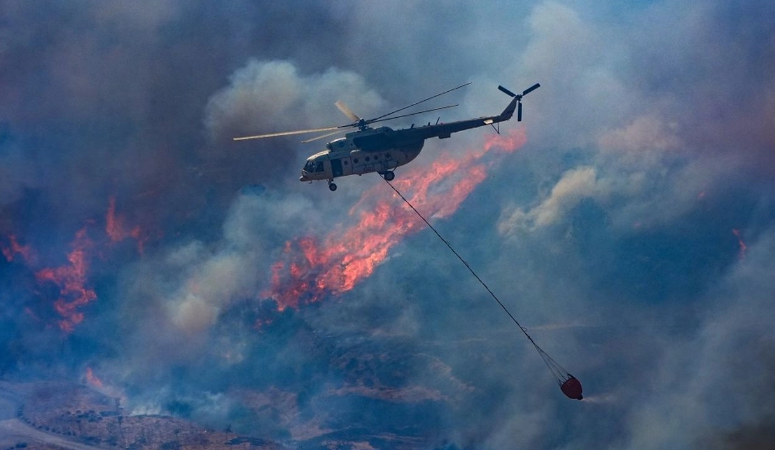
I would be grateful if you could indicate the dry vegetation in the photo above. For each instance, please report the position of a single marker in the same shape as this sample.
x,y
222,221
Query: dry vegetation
x,y
85,416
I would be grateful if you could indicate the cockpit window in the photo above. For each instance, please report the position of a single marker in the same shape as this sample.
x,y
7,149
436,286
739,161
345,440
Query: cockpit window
x,y
314,166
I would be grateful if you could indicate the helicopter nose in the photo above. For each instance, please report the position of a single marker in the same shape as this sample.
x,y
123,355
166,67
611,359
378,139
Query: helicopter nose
x,y
303,177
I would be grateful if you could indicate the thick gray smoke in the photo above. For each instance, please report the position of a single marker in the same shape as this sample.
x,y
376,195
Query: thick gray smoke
x,y
632,234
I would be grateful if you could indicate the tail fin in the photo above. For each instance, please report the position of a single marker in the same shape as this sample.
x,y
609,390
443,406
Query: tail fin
x,y
509,111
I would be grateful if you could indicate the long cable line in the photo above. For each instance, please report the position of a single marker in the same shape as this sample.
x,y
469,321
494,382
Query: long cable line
x,y
554,367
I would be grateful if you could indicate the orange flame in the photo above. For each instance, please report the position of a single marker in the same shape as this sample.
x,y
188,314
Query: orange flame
x,y
14,248
71,280
740,242
116,231
312,268
92,379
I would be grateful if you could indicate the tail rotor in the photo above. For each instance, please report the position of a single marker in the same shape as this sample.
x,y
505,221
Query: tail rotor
x,y
519,97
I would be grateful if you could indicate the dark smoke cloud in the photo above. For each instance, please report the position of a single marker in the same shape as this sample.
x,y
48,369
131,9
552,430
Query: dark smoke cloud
x,y
610,234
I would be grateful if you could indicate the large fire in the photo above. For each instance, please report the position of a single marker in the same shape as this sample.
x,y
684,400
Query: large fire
x,y
71,279
311,268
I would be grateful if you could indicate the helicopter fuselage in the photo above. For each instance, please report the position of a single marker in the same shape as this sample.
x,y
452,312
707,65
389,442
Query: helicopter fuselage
x,y
378,150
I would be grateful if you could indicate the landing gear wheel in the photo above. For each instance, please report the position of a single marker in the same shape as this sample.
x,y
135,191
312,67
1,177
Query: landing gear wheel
x,y
332,186
389,176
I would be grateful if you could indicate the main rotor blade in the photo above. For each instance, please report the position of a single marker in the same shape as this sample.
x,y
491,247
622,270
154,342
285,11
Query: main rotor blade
x,y
342,107
413,114
322,136
289,133
346,111
416,103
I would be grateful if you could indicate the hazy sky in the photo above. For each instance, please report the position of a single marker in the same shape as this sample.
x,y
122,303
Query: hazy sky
x,y
628,221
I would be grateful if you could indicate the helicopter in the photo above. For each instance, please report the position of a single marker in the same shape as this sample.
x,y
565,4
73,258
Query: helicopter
x,y
383,149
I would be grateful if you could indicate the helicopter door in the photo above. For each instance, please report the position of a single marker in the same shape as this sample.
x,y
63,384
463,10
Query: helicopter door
x,y
336,167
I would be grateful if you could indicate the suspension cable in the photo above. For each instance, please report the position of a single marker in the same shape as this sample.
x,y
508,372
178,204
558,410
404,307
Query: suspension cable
x,y
556,369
